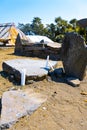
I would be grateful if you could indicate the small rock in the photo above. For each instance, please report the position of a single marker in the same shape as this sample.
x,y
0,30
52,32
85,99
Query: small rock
x,y
73,81
44,108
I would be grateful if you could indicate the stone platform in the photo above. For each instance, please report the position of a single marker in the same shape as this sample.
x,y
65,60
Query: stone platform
x,y
34,69
37,49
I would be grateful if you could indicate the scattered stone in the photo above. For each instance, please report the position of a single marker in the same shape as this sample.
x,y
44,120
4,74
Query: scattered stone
x,y
73,81
74,55
16,104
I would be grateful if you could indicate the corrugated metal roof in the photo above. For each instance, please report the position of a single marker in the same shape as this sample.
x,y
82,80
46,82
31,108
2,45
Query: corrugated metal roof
x,y
10,32
5,36
4,32
1,28
22,35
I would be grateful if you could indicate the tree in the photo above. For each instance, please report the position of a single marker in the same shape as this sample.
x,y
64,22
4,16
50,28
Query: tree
x,y
25,28
61,28
37,27
73,22
54,31
51,31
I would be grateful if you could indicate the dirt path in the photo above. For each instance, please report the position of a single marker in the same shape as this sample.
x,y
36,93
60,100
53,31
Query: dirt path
x,y
65,108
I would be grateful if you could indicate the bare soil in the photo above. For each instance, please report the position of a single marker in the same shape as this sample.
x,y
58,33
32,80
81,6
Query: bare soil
x,y
65,108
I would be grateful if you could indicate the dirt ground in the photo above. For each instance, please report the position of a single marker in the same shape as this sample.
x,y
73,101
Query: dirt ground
x,y
65,108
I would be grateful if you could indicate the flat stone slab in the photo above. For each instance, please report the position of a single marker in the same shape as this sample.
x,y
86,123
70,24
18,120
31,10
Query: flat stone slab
x,y
19,103
34,69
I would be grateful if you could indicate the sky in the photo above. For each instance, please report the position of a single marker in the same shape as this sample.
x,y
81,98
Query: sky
x,y
23,11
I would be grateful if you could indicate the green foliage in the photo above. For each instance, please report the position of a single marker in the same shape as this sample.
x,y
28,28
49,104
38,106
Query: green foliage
x,y
25,28
37,27
59,38
51,31
54,31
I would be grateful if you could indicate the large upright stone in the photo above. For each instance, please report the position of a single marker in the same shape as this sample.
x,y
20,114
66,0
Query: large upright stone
x,y
74,55
82,22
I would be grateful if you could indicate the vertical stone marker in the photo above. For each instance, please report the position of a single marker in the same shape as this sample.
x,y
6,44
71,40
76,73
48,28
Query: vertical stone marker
x,y
74,55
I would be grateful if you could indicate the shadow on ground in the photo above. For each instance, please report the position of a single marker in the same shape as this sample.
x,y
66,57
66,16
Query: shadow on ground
x,y
58,75
10,77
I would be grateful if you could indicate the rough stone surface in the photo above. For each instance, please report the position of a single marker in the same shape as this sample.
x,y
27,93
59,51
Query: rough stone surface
x,y
59,72
37,50
18,103
82,22
35,69
74,55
